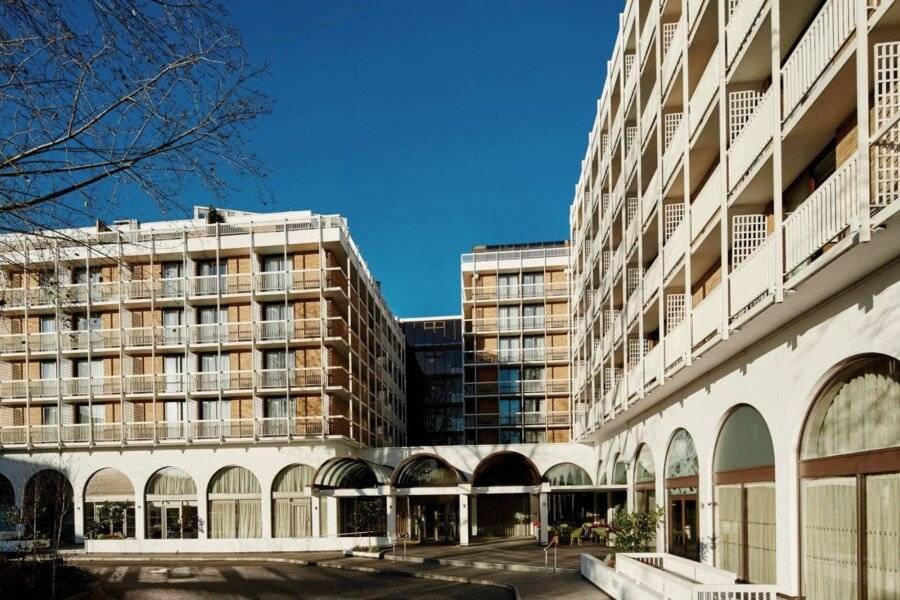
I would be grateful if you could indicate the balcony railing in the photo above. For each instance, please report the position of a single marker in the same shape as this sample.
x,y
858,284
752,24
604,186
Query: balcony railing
x,y
821,217
650,112
752,139
161,431
517,291
707,316
708,201
646,39
740,22
822,40
518,387
539,322
754,277
704,93
517,419
673,54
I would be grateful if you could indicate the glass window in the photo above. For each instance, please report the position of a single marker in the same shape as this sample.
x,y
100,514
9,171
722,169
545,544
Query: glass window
x,y
272,263
510,380
567,474
533,316
171,270
509,349
291,505
510,436
275,359
234,504
508,318
85,323
91,413
532,284
206,268
682,457
48,369
509,412
47,324
275,311
212,410
171,505
508,286
50,415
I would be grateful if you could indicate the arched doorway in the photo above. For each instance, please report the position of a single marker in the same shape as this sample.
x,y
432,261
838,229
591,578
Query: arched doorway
x,y
682,481
427,499
850,484
744,484
170,501
572,499
7,504
234,504
644,481
292,502
506,504
354,483
618,498
109,505
48,507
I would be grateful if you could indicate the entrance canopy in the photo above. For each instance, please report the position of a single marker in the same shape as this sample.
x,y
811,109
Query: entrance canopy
x,y
426,470
350,472
506,468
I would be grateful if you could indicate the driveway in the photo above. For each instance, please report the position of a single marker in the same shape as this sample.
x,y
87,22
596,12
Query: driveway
x,y
270,581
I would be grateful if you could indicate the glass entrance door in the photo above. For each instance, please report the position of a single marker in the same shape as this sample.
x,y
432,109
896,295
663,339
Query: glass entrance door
x,y
683,532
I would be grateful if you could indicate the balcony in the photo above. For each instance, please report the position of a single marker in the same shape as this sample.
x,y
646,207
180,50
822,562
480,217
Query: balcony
x,y
752,139
518,387
513,292
649,114
704,94
97,339
754,277
652,280
646,40
674,127
673,48
740,23
708,202
675,344
707,317
651,197
674,247
82,434
815,51
535,323
822,217
36,342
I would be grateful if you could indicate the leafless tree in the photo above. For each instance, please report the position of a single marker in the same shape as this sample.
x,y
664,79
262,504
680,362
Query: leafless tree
x,y
111,101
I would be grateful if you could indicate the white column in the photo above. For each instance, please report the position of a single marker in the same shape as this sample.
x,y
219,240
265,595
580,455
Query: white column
x,y
265,513
140,519
331,516
316,518
78,516
463,519
202,517
391,506
473,515
544,501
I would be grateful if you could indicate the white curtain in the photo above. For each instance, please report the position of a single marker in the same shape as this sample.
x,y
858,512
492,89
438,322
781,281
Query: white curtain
x,y
171,481
857,414
294,479
883,536
729,546
761,532
248,518
292,517
829,538
222,519
231,512
234,480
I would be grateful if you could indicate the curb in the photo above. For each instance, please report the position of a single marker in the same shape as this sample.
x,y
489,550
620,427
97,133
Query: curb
x,y
450,562
296,561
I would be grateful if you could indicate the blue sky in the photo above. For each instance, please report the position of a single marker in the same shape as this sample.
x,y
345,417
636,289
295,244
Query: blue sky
x,y
432,126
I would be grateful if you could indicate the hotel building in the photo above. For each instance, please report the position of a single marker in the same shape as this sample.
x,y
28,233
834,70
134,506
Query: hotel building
x,y
719,337
735,300
515,310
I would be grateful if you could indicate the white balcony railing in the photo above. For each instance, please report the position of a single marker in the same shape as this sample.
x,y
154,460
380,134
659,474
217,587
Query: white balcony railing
x,y
708,202
650,112
752,139
652,279
675,344
674,247
754,277
674,151
673,55
739,25
823,38
706,316
652,363
821,217
651,196
704,93
646,39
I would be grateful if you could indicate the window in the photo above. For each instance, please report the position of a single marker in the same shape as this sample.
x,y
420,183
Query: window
x,y
210,315
272,263
82,275
509,349
510,380
277,408
510,412
849,523
510,436
209,267
85,323
533,316
84,368
508,286
532,285
91,413
508,318
47,324
234,504
109,505
171,505
535,436
50,415
48,369
171,270
213,410
213,362
291,504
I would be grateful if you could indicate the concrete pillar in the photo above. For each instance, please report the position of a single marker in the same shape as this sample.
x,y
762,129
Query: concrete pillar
x,y
463,519
473,515
202,517
265,515
545,516
316,518
78,516
331,516
140,519
391,511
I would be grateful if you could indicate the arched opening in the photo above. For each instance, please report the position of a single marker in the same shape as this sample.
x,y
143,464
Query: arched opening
x,y
744,485
292,502
170,501
850,484
682,482
48,508
572,499
352,480
427,503
7,505
644,481
234,504
511,507
109,505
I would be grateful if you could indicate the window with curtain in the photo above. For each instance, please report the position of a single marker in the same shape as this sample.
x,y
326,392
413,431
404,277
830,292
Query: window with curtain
x,y
644,482
171,505
109,505
291,502
848,508
744,480
234,504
